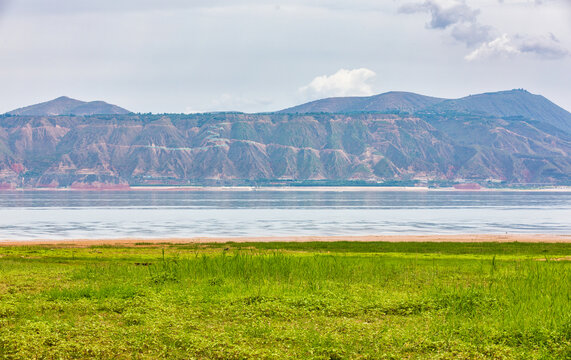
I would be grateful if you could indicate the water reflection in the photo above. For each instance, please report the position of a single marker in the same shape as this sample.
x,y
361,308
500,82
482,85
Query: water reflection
x,y
151,214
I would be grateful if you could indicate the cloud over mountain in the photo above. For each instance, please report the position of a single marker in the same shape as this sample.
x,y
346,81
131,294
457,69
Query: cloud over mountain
x,y
344,82
499,47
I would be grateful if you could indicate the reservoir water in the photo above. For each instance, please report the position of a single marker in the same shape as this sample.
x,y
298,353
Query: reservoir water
x,y
32,215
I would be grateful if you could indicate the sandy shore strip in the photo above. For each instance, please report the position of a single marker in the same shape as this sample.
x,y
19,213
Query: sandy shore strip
x,y
474,238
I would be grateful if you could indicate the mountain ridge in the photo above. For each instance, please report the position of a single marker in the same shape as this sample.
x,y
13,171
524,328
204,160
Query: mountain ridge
x,y
508,103
389,101
64,105
517,102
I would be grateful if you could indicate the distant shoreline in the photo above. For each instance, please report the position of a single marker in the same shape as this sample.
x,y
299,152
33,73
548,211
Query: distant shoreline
x,y
465,238
295,188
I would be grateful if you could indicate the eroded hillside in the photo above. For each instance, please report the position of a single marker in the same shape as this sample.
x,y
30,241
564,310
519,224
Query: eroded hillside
x,y
162,149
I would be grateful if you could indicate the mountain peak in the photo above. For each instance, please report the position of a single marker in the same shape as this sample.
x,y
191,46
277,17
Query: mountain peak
x,y
65,105
64,98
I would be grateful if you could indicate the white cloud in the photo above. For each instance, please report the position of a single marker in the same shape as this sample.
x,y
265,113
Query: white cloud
x,y
462,20
500,47
343,83
545,47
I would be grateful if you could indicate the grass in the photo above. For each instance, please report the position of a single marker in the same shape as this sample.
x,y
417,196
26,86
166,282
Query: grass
x,y
287,300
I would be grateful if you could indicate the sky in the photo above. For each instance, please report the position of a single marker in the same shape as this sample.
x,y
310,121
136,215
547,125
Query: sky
x,y
181,56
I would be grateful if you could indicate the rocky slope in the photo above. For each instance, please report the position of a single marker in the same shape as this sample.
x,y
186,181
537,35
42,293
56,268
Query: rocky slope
x,y
180,149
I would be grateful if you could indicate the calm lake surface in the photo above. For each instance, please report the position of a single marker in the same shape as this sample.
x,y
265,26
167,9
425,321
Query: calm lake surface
x,y
156,214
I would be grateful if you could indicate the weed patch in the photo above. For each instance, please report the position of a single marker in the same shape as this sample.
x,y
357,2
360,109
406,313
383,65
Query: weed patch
x,y
286,300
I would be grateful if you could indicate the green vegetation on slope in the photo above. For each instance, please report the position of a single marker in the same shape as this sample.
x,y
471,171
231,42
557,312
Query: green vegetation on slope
x,y
287,300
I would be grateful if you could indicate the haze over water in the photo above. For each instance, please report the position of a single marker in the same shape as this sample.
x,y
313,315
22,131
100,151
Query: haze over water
x,y
185,214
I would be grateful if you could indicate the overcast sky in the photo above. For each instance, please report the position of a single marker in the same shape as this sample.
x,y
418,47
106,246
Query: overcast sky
x,y
253,56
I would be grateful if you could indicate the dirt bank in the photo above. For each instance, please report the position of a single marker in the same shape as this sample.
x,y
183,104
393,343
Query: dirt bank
x,y
546,238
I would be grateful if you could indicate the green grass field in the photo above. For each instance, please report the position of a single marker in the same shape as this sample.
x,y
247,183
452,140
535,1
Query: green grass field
x,y
339,300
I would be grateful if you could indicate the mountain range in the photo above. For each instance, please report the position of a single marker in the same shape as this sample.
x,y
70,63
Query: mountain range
x,y
508,137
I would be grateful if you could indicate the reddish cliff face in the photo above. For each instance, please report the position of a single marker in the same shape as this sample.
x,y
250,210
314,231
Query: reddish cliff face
x,y
116,150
